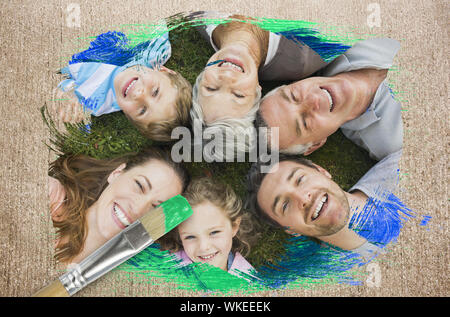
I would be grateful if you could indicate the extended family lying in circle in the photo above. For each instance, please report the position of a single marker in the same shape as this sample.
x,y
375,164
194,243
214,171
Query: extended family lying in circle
x,y
92,200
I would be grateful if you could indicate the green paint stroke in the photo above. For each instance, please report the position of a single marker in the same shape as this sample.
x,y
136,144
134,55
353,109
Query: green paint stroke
x,y
161,268
176,210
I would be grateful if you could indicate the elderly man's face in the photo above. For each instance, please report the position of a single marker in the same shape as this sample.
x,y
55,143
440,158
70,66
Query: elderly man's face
x,y
304,200
228,89
310,110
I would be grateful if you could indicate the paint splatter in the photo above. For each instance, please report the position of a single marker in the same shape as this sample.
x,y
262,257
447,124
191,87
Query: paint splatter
x,y
425,220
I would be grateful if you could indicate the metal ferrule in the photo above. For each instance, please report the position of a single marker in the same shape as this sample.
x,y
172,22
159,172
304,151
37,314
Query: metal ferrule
x,y
120,248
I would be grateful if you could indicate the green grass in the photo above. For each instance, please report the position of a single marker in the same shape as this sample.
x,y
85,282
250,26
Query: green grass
x,y
112,135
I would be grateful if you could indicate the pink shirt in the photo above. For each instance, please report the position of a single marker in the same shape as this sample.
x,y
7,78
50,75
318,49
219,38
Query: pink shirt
x,y
239,265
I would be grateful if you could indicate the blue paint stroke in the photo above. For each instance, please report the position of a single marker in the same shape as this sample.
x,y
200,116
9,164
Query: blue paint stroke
x,y
425,220
381,220
214,62
326,49
113,48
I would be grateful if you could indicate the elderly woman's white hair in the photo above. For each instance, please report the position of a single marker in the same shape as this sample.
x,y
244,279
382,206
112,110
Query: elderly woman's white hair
x,y
239,133
261,123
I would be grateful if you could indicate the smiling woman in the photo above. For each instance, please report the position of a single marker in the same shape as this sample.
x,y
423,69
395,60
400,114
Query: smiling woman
x,y
227,92
92,200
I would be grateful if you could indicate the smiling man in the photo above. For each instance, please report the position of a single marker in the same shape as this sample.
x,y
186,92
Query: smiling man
x,y
350,93
301,198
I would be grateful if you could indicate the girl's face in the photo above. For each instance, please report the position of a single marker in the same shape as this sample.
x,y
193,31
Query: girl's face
x,y
131,193
207,236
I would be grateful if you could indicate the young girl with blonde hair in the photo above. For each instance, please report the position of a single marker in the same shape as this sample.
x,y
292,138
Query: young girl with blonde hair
x,y
218,231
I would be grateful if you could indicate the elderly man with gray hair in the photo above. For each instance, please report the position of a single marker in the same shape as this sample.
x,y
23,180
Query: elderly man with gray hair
x,y
227,93
350,93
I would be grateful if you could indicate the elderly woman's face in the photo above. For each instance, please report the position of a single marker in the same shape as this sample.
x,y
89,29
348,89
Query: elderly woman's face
x,y
228,88
131,193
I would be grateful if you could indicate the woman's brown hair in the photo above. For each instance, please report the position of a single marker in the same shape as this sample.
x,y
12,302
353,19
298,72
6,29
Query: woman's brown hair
x,y
84,179
223,196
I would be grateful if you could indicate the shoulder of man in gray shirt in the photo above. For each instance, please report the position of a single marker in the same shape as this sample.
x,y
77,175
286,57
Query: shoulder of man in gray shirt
x,y
382,179
378,183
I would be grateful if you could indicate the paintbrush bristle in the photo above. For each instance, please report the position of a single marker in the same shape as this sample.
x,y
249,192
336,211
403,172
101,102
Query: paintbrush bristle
x,y
166,216
154,222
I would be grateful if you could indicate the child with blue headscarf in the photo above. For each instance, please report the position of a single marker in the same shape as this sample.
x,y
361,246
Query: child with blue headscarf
x,y
109,76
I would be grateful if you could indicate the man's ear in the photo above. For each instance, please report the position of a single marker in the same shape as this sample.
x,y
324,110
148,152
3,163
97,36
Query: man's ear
x,y
315,146
116,173
165,69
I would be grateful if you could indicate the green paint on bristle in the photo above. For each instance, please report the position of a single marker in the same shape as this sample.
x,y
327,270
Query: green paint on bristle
x,y
176,210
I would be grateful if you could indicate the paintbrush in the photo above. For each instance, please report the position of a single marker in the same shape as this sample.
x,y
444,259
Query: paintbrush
x,y
129,242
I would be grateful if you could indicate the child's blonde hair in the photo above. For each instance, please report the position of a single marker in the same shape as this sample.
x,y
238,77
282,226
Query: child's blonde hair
x,y
161,131
222,196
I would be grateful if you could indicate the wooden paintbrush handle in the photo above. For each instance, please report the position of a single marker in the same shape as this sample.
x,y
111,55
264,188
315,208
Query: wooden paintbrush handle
x,y
55,289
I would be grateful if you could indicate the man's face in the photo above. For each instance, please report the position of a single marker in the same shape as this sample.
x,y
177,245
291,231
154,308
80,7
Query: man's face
x,y
304,200
228,89
146,95
310,110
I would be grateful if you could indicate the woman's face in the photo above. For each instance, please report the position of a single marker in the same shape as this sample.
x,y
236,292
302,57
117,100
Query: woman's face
x,y
131,193
229,88
207,236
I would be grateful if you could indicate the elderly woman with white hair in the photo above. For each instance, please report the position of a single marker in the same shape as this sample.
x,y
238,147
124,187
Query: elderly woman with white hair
x,y
227,92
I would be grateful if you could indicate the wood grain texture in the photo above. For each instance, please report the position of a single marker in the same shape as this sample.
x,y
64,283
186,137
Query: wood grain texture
x,y
36,41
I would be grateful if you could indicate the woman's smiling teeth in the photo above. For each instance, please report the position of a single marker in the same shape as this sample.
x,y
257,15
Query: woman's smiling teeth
x,y
330,99
121,216
319,207
232,65
129,87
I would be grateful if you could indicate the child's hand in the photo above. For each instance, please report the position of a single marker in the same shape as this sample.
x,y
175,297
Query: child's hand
x,y
66,108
